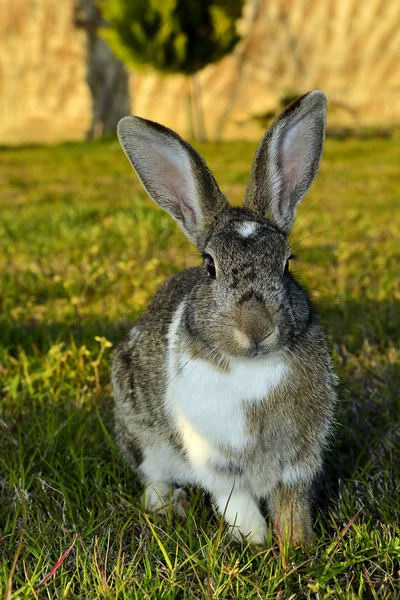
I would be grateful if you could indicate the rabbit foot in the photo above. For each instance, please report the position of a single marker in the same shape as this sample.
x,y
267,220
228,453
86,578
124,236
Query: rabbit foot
x,y
291,514
257,538
243,515
157,497
180,502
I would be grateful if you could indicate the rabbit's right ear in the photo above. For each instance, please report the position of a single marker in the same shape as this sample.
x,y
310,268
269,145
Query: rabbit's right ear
x,y
174,175
287,160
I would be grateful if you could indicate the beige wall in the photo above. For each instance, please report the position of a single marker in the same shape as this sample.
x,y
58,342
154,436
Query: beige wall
x,y
43,93
348,48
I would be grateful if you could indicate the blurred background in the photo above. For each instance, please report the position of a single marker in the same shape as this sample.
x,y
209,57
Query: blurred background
x,y
60,80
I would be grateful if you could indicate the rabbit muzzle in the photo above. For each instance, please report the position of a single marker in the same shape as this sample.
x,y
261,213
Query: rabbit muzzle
x,y
256,329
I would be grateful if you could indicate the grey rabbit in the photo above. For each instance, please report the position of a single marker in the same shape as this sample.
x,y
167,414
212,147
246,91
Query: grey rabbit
x,y
226,382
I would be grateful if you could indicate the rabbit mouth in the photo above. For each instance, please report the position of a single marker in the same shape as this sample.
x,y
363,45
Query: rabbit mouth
x,y
251,347
261,346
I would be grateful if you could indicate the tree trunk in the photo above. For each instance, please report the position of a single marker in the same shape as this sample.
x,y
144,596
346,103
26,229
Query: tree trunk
x,y
189,109
198,109
106,76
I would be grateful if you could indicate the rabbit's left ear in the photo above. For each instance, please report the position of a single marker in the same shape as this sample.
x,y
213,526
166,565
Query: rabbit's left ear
x,y
287,160
174,175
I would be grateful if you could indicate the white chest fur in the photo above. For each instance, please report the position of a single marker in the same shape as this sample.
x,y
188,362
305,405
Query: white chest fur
x,y
209,405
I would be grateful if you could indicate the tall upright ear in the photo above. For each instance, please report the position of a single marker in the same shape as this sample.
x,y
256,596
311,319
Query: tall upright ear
x,y
287,160
174,175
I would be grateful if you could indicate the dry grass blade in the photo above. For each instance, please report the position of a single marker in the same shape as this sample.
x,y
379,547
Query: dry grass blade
x,y
350,523
58,564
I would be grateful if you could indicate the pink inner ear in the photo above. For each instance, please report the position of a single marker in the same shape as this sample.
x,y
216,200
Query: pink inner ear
x,y
172,175
294,156
176,186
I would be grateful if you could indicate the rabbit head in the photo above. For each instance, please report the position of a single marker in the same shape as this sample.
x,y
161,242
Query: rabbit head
x,y
247,303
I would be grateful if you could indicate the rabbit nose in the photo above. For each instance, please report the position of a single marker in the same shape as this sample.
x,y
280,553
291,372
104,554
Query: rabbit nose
x,y
256,346
255,323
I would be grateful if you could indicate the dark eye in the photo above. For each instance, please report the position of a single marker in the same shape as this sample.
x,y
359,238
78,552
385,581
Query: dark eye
x,y
210,266
291,257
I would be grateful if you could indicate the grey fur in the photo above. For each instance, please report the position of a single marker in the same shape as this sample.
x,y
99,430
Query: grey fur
x,y
252,292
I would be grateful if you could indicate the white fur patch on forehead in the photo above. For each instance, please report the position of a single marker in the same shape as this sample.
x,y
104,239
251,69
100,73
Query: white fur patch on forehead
x,y
247,228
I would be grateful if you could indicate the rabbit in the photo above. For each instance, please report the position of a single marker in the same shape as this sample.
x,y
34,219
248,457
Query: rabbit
x,y
226,382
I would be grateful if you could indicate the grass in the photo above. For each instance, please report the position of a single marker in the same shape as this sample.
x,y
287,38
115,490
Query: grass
x,y
82,250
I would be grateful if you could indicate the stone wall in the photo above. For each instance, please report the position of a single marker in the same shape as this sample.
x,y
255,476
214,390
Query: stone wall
x,y
348,48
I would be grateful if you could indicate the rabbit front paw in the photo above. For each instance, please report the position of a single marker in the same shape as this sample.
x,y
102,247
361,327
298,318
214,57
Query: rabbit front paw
x,y
157,497
243,515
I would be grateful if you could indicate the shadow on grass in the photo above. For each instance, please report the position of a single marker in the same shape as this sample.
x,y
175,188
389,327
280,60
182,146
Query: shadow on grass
x,y
34,336
361,466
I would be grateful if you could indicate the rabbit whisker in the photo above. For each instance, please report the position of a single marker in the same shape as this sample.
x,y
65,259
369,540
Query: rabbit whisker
x,y
318,233
182,367
328,294
337,188
266,337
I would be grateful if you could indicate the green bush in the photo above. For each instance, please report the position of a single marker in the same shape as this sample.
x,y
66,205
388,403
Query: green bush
x,y
173,36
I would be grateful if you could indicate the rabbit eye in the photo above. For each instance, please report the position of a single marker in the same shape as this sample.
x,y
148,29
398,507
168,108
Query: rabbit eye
x,y
210,266
291,257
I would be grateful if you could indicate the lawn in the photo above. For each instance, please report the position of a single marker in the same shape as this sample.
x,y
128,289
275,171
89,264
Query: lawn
x,y
82,251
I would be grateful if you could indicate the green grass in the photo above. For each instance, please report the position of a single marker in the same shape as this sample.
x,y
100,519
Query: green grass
x,y
82,250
